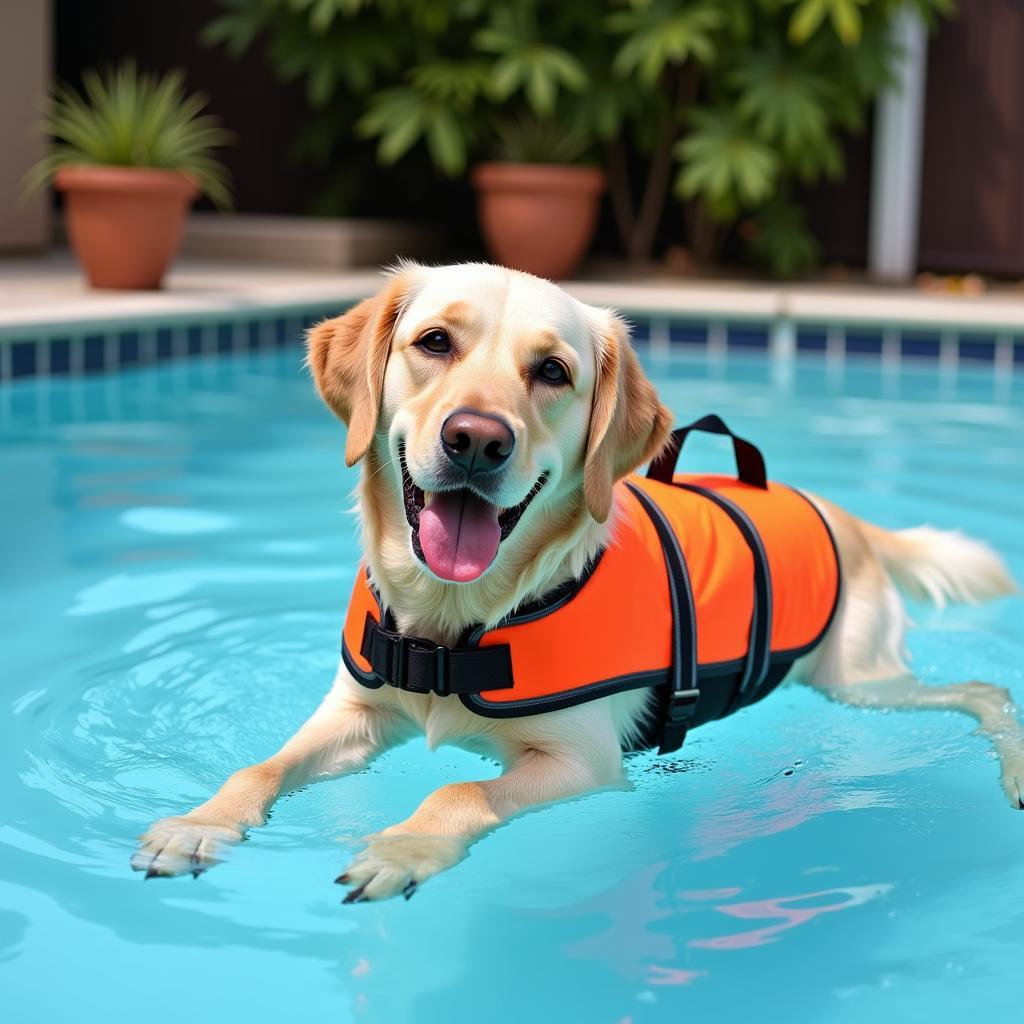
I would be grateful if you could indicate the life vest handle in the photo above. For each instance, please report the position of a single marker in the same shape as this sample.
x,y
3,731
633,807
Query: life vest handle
x,y
749,460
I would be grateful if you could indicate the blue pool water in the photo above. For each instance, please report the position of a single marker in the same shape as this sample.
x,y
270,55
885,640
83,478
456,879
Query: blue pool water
x,y
175,557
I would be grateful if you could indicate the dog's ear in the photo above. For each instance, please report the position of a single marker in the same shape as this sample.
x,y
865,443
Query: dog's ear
x,y
628,423
348,356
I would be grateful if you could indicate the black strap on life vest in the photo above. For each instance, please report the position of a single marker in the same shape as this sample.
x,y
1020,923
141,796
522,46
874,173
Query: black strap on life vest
x,y
684,696
420,666
683,693
749,461
759,645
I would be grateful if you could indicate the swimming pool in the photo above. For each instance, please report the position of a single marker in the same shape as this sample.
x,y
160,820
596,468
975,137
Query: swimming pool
x,y
176,558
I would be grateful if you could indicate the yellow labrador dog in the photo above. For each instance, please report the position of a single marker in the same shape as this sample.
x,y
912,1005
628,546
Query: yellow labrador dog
x,y
506,410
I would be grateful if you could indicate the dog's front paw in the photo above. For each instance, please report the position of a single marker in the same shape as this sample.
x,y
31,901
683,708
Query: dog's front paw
x,y
398,862
178,846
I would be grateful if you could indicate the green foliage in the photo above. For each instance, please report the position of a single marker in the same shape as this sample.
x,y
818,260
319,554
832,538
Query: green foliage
x,y
402,116
524,62
531,140
747,96
136,120
725,164
661,35
779,239
844,16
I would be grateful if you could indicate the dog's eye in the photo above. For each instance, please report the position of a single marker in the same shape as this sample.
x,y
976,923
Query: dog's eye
x,y
436,342
551,371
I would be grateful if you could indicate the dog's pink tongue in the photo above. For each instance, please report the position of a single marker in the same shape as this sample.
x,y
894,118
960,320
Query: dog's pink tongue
x,y
459,535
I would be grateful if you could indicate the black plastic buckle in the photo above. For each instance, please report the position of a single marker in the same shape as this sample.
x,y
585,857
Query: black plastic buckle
x,y
437,655
681,704
678,712
390,655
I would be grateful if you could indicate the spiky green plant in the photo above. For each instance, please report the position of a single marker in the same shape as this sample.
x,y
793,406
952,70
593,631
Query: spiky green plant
x,y
128,118
533,140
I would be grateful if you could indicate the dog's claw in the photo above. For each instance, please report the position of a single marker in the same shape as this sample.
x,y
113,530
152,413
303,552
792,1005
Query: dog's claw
x,y
409,890
356,895
151,871
342,879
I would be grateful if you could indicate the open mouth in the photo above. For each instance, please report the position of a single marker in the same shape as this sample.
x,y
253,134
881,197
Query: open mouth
x,y
456,533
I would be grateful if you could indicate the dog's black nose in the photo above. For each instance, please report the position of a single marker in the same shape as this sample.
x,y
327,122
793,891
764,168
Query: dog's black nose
x,y
475,442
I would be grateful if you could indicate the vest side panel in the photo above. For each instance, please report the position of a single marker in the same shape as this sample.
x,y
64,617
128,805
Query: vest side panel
x,y
361,604
618,626
802,556
721,570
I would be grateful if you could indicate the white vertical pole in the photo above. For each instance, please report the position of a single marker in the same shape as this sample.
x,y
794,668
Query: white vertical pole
x,y
896,170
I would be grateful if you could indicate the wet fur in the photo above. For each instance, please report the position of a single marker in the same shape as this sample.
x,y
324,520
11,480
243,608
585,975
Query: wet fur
x,y
611,426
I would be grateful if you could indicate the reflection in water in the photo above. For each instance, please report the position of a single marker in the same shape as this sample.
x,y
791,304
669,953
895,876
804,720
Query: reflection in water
x,y
710,894
790,911
633,944
628,943
671,975
780,809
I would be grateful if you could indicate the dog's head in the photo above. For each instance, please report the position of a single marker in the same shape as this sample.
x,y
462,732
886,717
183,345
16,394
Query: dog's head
x,y
486,399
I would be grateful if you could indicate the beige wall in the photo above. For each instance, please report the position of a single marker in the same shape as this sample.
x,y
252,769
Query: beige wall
x,y
25,46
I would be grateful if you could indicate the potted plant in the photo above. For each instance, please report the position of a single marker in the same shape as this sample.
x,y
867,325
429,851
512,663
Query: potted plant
x,y
728,108
130,156
537,204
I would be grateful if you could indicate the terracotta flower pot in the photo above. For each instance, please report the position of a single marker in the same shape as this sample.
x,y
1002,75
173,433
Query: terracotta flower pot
x,y
125,223
538,217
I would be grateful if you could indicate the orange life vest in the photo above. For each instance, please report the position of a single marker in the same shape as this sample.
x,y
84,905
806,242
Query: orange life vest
x,y
709,590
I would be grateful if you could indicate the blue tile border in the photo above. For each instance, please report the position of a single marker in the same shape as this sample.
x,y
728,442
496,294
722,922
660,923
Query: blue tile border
x,y
60,356
919,345
752,338
811,340
687,332
864,343
225,337
91,350
128,348
977,348
24,359
164,343
93,353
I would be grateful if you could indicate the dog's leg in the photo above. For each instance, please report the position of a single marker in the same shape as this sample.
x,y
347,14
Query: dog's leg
x,y
343,735
441,830
991,705
862,661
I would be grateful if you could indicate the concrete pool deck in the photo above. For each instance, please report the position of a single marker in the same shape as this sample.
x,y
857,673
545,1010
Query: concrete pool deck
x,y
45,298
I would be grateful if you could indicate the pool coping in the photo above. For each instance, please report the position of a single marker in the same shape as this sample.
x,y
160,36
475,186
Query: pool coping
x,y
218,307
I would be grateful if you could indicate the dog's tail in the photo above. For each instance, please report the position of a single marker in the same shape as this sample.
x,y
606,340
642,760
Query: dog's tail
x,y
940,565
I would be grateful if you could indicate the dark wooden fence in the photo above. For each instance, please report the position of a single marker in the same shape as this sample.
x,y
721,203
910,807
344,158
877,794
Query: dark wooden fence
x,y
972,199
